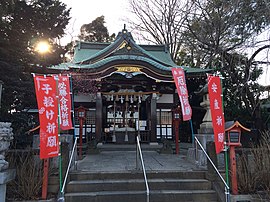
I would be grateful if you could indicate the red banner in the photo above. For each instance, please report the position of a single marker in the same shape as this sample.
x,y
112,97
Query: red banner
x,y
64,102
214,89
48,108
180,82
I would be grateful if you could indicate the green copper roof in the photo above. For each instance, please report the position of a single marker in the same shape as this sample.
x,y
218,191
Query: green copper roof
x,y
83,53
162,56
166,58
89,55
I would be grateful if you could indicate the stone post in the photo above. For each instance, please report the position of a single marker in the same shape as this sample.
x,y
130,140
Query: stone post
x,y
6,175
153,111
211,151
99,108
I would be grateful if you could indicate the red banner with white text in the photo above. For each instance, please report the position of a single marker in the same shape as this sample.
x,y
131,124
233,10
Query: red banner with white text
x,y
215,91
180,83
64,102
46,95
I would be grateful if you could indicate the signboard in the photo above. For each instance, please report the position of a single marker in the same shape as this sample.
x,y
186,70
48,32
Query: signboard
x,y
64,102
46,95
234,137
180,83
214,89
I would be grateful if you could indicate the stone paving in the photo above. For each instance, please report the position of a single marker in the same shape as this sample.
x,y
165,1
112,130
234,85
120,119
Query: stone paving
x,y
125,161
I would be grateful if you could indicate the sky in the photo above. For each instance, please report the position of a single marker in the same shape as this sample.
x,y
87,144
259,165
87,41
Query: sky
x,y
85,11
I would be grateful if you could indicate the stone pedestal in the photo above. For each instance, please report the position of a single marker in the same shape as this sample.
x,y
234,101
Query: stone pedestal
x,y
66,139
201,158
204,138
196,156
63,138
5,177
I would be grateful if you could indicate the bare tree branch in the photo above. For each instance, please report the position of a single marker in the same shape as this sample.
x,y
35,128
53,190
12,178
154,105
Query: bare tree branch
x,y
162,19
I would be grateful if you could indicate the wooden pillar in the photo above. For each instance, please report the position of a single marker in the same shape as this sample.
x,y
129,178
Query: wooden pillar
x,y
98,117
176,127
153,137
233,171
175,98
45,178
80,138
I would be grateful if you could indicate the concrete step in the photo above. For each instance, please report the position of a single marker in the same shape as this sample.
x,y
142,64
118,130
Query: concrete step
x,y
137,185
137,175
128,147
140,196
166,186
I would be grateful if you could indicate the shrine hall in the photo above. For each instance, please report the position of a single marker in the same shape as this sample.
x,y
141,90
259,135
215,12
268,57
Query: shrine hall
x,y
127,89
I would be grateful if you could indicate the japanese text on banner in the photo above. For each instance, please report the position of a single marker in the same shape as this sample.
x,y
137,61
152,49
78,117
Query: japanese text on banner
x,y
65,102
214,89
180,83
48,115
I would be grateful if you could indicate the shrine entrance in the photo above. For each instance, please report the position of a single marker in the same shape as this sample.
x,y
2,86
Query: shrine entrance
x,y
133,91
126,116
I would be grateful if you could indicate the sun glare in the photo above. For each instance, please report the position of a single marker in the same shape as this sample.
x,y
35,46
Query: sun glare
x,y
43,47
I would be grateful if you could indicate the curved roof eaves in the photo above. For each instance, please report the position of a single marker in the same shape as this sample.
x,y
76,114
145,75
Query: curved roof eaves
x,y
138,58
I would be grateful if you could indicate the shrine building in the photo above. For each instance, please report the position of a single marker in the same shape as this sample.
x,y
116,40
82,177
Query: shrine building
x,y
128,90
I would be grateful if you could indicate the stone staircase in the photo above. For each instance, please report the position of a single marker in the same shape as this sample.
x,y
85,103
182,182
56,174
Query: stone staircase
x,y
168,186
128,147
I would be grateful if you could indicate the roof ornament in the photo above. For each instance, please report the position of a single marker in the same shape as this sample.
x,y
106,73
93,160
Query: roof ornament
x,y
124,30
128,46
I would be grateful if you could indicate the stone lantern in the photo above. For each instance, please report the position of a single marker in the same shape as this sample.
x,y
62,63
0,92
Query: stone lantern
x,y
6,136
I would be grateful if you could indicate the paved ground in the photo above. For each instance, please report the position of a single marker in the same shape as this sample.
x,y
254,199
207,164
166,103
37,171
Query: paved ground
x,y
125,161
